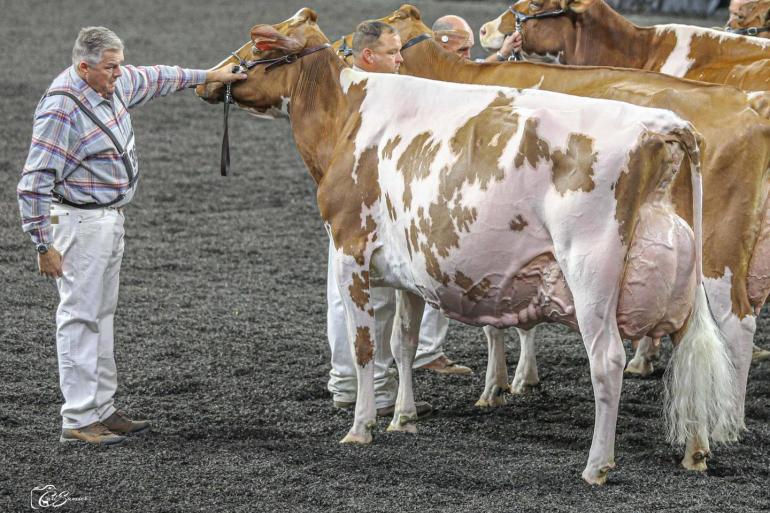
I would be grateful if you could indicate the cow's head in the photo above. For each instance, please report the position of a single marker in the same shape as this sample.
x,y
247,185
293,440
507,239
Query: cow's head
x,y
749,14
546,26
265,92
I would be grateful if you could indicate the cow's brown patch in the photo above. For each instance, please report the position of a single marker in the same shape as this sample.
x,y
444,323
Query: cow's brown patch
x,y
473,291
532,147
359,289
415,162
387,150
343,200
408,243
518,223
364,346
574,170
644,172
391,210
432,265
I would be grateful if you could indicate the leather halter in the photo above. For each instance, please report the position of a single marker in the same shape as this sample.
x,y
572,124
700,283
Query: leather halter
x,y
521,18
415,40
751,31
244,66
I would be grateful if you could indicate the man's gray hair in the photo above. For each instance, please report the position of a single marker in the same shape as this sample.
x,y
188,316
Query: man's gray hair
x,y
367,35
92,42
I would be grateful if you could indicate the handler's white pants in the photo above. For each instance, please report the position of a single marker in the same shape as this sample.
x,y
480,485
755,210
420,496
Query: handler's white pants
x,y
342,381
91,244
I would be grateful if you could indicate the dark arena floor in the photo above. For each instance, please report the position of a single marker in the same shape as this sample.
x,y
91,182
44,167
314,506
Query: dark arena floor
x,y
220,334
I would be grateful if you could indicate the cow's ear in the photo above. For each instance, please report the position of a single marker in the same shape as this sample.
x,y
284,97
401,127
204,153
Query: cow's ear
x,y
408,11
306,14
579,6
766,16
265,37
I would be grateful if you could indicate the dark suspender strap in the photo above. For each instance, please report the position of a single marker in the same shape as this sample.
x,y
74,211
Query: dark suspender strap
x,y
118,146
92,116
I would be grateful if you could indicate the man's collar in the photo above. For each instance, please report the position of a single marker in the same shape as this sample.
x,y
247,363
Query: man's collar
x,y
88,92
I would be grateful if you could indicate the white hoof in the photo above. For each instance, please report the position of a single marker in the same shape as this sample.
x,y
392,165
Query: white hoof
x,y
494,399
522,387
598,477
364,438
759,355
399,427
696,461
640,369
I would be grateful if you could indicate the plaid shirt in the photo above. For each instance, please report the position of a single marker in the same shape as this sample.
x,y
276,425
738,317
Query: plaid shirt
x,y
72,157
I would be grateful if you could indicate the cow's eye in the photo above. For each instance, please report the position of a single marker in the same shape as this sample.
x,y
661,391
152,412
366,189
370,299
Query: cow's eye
x,y
254,50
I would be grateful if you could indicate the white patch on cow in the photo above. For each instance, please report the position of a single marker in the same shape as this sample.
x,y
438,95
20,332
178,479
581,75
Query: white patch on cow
x,y
678,62
494,140
492,38
539,83
348,77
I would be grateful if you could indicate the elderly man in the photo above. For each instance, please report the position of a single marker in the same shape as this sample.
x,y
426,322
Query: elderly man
x,y
81,172
454,34
750,17
376,49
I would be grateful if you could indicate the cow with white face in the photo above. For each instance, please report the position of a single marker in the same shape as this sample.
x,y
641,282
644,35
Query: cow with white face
x,y
586,33
501,207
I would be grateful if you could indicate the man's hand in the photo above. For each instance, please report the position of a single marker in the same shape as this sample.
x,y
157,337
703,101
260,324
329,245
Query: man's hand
x,y
224,75
49,263
511,44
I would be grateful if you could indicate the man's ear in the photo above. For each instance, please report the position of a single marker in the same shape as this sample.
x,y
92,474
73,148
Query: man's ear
x,y
265,37
366,55
82,66
578,6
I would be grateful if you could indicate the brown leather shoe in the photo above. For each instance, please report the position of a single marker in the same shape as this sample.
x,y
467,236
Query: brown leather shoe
x,y
120,423
443,365
96,433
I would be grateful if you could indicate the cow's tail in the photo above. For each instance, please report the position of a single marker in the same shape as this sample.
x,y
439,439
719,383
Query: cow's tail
x,y
700,391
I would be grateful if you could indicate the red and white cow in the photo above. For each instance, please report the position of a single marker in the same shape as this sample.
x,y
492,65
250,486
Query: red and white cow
x,y
591,33
501,207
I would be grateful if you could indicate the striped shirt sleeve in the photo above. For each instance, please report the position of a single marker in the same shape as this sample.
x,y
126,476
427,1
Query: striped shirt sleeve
x,y
52,135
143,83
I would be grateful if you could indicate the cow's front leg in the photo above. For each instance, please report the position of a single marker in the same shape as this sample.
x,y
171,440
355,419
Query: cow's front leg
x,y
641,363
404,341
526,370
353,282
496,382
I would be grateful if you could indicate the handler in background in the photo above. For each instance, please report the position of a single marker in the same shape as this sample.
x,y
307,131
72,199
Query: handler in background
x,y
80,173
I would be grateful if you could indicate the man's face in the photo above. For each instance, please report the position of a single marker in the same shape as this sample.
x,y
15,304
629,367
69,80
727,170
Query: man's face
x,y
102,76
385,57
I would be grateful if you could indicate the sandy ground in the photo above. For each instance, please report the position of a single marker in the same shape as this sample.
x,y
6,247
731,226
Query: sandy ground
x,y
221,327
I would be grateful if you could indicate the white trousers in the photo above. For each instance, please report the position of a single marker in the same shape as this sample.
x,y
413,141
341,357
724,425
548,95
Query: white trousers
x,y
91,244
342,381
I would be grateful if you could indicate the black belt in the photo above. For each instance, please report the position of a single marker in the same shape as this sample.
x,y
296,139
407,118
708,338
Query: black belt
x,y
58,198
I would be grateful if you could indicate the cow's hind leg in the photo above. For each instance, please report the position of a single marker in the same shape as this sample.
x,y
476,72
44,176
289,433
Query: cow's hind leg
x,y
641,363
526,370
404,341
496,381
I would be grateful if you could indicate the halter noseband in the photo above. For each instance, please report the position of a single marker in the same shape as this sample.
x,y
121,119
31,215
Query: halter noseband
x,y
521,18
244,66
751,31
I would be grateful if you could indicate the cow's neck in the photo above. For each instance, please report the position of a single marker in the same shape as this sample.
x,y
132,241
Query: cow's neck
x,y
602,37
317,110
